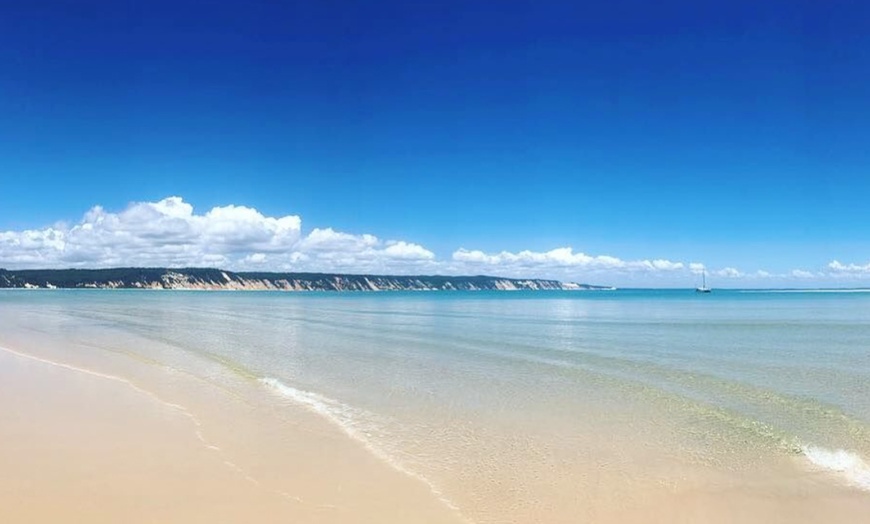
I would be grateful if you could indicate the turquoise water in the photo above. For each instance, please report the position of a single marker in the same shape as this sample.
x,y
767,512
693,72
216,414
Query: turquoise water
x,y
503,382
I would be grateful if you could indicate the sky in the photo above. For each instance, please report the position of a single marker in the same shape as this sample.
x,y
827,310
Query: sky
x,y
621,143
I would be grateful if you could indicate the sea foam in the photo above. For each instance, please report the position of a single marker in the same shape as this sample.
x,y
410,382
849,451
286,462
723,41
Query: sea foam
x,y
848,465
333,410
359,425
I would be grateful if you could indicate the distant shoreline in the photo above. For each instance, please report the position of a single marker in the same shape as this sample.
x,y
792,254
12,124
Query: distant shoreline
x,y
218,279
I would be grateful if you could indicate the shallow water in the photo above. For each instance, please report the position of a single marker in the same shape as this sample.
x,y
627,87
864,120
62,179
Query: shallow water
x,y
527,406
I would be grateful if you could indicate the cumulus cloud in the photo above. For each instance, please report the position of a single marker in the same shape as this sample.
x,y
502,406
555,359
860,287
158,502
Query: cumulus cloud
x,y
729,272
327,248
855,269
171,233
560,258
697,268
407,251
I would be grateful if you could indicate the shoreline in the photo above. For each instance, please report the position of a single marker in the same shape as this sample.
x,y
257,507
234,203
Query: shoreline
x,y
138,410
214,278
184,450
180,460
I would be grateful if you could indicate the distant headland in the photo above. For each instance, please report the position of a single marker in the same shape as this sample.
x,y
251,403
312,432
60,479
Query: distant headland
x,y
218,279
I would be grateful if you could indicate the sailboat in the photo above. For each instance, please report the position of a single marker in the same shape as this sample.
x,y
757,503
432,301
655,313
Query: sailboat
x,y
703,288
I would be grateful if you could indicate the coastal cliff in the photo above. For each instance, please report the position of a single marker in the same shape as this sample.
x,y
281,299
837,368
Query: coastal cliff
x,y
217,279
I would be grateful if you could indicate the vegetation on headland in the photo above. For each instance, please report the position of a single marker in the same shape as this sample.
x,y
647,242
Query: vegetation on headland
x,y
211,278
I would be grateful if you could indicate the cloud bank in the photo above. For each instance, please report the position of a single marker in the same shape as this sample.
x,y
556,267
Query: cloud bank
x,y
561,258
849,269
172,233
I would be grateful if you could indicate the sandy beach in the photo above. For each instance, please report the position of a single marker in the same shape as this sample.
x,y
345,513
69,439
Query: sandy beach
x,y
84,445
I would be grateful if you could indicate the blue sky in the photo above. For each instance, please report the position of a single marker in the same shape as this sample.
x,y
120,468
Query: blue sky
x,y
728,134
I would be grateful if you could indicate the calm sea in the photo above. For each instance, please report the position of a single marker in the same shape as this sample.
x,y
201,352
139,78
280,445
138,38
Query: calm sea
x,y
477,392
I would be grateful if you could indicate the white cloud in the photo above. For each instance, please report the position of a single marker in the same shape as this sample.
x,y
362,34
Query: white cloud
x,y
171,233
560,258
665,265
255,258
837,267
407,251
729,272
329,240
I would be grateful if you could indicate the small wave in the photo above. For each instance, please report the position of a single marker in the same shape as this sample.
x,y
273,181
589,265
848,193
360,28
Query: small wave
x,y
847,464
331,409
359,425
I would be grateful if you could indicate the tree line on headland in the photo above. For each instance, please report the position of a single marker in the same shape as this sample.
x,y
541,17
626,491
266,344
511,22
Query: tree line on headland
x,y
211,278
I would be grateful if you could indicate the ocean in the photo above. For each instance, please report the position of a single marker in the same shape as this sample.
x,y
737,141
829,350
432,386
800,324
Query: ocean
x,y
541,406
